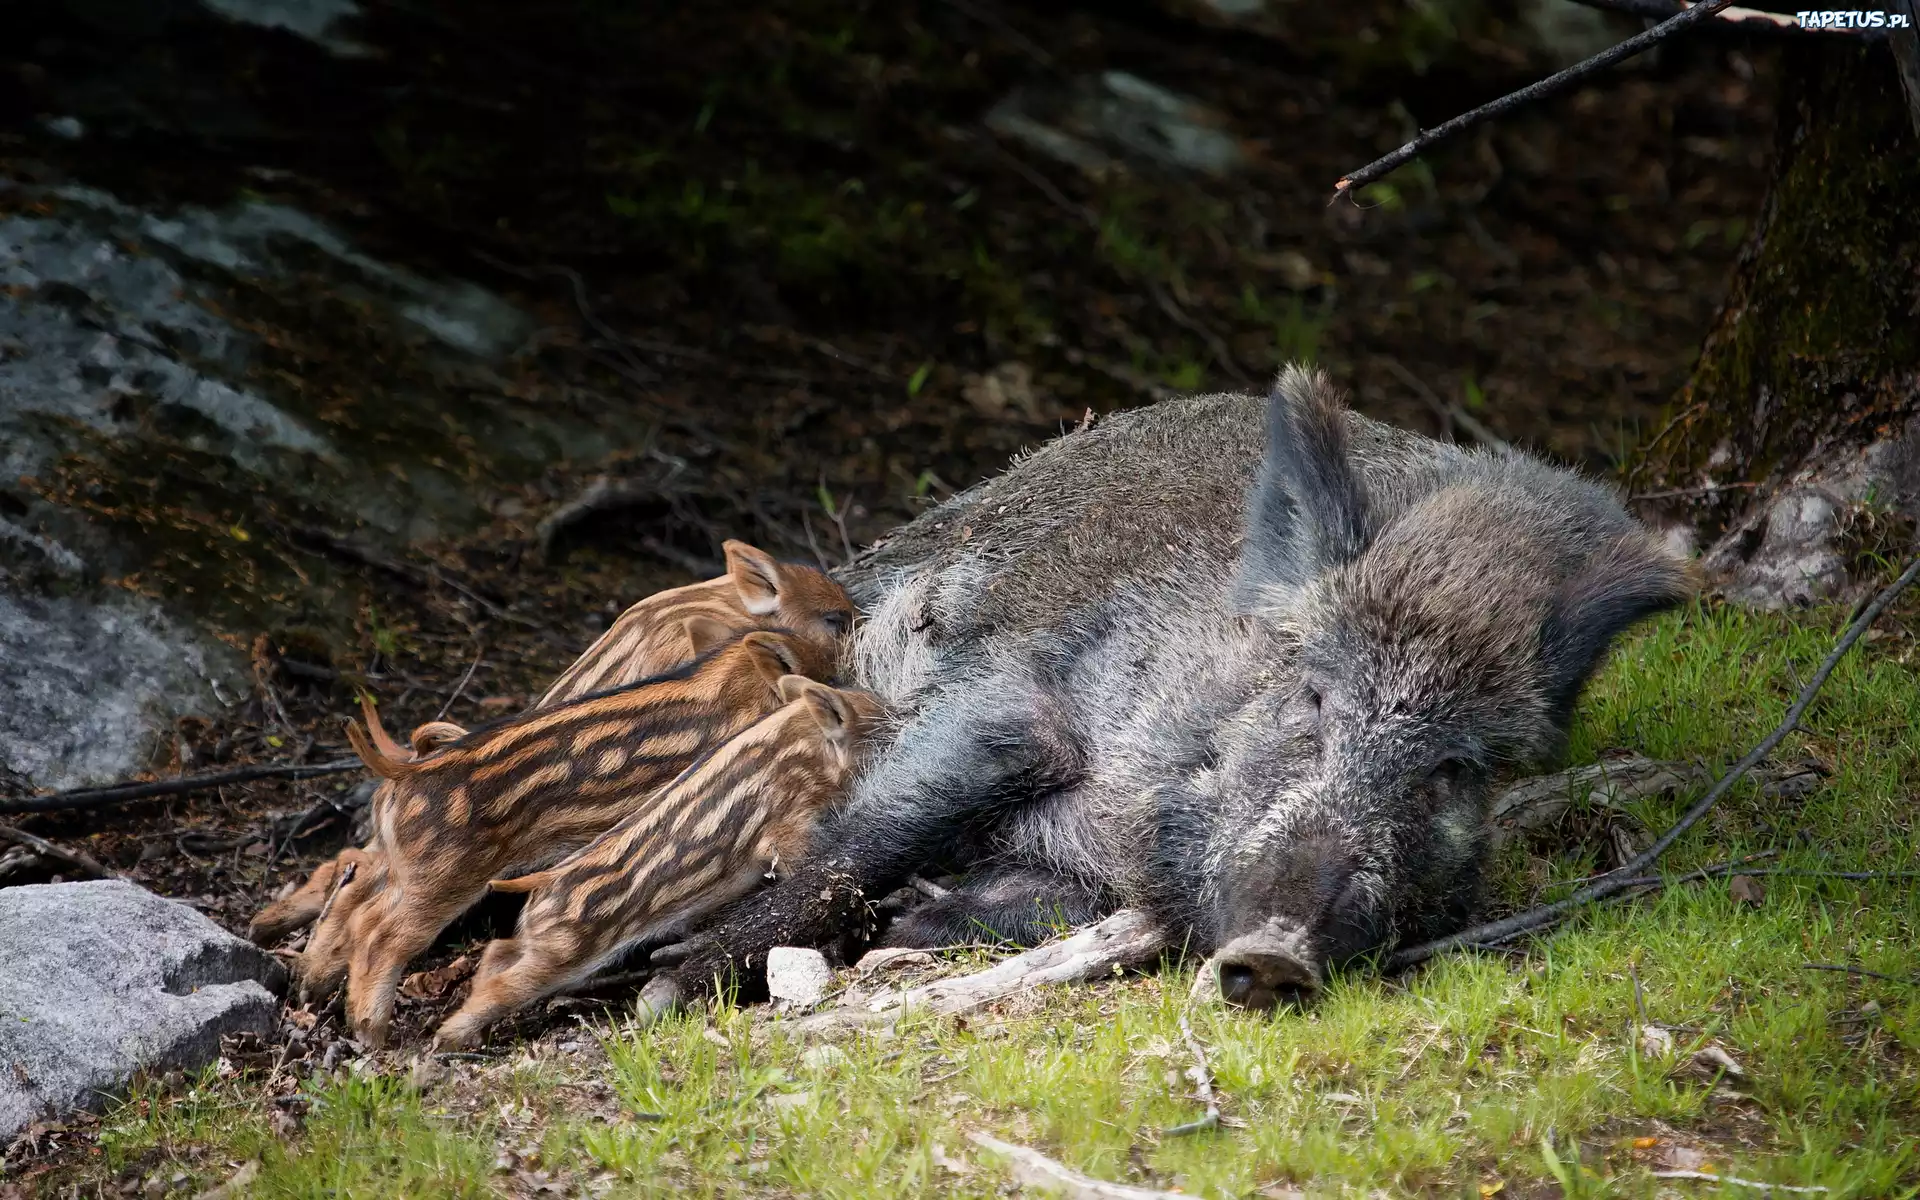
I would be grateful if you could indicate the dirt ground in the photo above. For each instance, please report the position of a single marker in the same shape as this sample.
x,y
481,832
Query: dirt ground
x,y
781,239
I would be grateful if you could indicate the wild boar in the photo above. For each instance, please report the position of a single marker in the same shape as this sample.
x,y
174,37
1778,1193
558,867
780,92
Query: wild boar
x,y
525,792
1257,686
743,813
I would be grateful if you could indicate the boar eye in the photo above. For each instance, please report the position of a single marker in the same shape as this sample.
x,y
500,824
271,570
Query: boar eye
x,y
1312,704
838,621
1450,771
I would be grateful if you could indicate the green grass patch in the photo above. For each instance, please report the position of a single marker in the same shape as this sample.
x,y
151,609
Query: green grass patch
x,y
1477,1076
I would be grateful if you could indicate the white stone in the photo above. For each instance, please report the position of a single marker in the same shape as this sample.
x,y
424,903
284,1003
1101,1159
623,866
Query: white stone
x,y
800,977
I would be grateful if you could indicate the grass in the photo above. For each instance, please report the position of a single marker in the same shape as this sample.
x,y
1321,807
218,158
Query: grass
x,y
1478,1076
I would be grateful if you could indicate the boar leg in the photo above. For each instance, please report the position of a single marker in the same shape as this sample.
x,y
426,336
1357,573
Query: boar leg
x,y
1021,905
974,749
514,972
386,937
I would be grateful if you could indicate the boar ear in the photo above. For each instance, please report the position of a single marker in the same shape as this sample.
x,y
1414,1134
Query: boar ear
x,y
704,633
1308,511
772,655
755,575
830,711
791,687
1627,579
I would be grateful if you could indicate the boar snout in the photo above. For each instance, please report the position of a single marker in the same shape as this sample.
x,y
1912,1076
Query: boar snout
x,y
1272,966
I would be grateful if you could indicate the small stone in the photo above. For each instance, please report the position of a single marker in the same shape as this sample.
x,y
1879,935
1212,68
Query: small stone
x,y
799,976
1656,1042
823,1058
787,1101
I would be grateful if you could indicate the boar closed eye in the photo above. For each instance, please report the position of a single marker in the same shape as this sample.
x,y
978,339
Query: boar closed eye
x,y
1450,772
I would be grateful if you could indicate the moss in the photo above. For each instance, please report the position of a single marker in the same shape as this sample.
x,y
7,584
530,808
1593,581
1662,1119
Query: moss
x,y
1816,341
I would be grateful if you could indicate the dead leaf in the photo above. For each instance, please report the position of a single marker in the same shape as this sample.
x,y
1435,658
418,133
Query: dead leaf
x,y
235,1186
498,703
1714,1057
1656,1041
1747,890
948,1163
1645,1143
431,985
1683,1158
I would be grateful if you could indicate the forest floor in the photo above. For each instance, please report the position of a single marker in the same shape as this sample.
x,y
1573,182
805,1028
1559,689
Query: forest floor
x,y
808,271
1526,1075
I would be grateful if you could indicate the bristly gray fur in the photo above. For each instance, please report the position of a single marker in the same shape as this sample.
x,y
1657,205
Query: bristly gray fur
x,y
1234,665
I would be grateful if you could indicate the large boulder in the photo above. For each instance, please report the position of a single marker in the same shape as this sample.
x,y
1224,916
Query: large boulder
x,y
104,979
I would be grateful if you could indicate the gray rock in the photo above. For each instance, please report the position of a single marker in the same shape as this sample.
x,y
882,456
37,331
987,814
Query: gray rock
x,y
1094,122
116,348
1793,546
105,979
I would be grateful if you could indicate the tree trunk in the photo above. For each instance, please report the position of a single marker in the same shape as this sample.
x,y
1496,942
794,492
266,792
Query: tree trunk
x,y
1795,448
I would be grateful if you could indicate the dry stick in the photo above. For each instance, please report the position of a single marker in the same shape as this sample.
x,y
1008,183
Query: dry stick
x,y
1552,84
85,798
1852,970
1708,1177
1628,875
1454,412
1036,1169
1202,1077
478,653
42,846
1742,18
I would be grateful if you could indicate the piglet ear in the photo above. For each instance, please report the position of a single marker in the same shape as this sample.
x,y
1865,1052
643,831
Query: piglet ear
x,y
772,655
1308,511
704,633
830,711
755,575
1627,579
791,687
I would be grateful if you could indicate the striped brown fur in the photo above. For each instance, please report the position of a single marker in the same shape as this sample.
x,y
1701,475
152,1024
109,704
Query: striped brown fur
x,y
740,814
525,792
297,909
757,592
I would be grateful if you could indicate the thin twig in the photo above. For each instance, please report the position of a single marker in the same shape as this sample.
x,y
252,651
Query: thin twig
x,y
1034,1168
1202,1077
1628,875
1707,1177
1707,489
927,888
44,847
1456,413
1744,18
86,798
1853,970
478,653
1552,84
341,880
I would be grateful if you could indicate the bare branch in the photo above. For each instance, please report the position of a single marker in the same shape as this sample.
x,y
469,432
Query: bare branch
x,y
1743,19
1202,1076
1037,1170
1551,85
88,798
73,858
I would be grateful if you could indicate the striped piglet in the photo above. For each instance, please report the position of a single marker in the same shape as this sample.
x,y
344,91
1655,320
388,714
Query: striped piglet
x,y
740,815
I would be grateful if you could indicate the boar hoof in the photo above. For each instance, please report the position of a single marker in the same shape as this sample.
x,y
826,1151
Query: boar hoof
x,y
1261,971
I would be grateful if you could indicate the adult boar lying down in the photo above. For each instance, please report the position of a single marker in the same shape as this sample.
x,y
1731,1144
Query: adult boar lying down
x,y
1258,687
